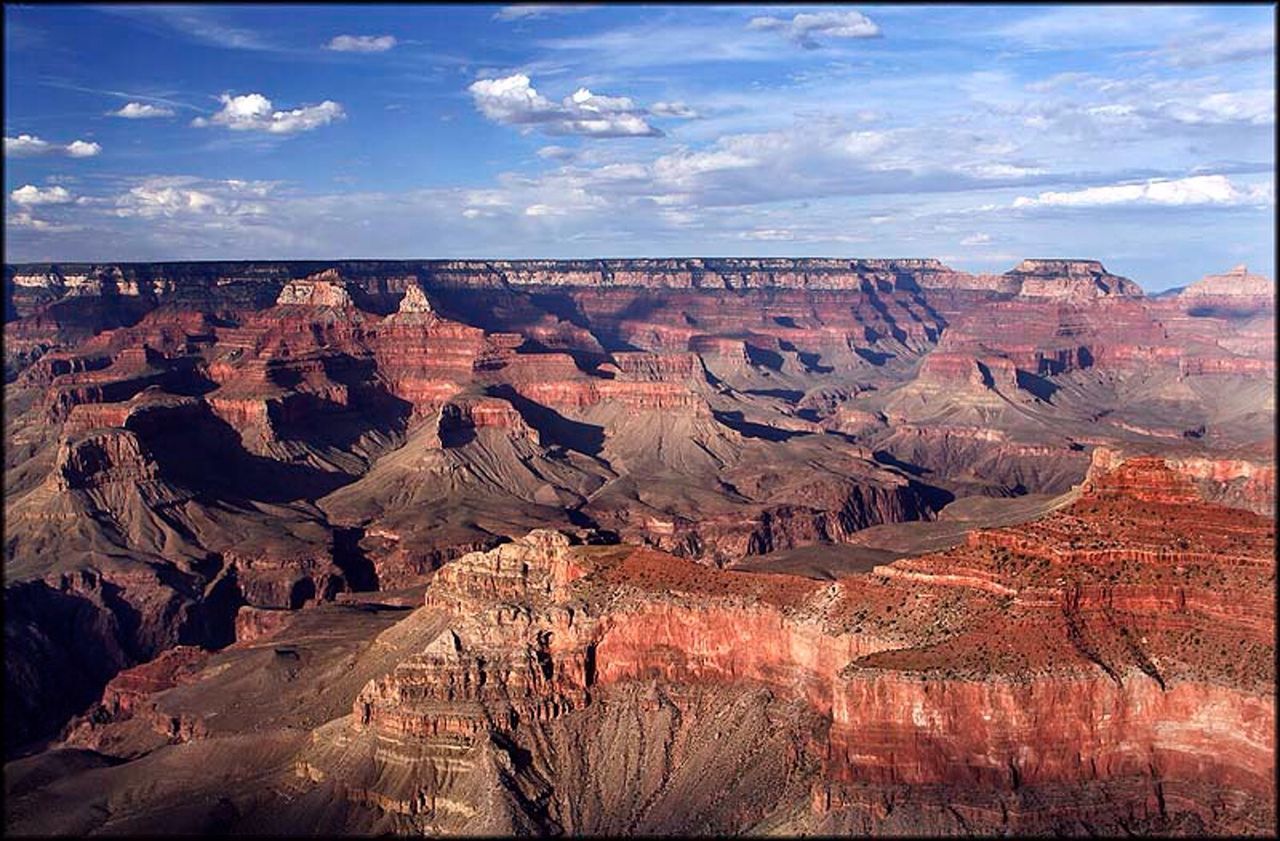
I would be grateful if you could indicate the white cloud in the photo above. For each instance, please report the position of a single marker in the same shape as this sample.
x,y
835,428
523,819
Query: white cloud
x,y
185,196
803,28
26,145
513,100
530,11
29,195
23,219
361,43
682,168
83,149
1196,190
976,239
254,112
999,171
1084,116
141,111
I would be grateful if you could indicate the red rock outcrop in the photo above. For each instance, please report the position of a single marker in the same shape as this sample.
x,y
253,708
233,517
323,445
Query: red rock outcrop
x,y
1054,664
1237,482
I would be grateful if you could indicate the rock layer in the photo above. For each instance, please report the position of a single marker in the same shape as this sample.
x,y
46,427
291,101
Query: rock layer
x,y
1112,681
199,452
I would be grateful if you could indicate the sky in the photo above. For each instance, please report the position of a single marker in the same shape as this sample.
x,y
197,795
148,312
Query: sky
x,y
1142,136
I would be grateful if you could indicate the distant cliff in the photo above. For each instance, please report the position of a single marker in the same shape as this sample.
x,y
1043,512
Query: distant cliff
x,y
29,286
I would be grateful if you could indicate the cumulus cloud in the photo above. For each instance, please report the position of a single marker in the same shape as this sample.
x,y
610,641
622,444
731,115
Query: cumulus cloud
x,y
361,43
186,196
1180,192
83,149
141,111
804,28
254,112
530,11
27,145
30,194
976,239
513,100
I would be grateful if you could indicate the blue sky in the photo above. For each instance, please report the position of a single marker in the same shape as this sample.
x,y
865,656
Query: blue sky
x,y
1143,136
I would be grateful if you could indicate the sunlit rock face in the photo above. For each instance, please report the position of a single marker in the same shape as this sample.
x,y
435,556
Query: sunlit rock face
x,y
1238,282
1070,279
1077,655
822,546
326,289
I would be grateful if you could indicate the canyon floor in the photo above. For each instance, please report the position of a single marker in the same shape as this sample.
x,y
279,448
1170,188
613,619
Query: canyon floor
x,y
637,547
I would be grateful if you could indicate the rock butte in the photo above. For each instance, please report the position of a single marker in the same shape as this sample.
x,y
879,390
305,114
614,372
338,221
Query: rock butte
x,y
707,546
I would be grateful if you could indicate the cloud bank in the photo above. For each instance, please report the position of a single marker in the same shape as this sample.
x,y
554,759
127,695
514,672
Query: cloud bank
x,y
1181,192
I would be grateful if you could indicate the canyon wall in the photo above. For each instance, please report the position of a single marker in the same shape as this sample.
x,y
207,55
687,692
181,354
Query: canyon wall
x,y
213,440
1049,678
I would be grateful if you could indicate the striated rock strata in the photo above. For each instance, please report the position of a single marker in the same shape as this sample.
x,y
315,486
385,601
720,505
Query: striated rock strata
x,y
1107,668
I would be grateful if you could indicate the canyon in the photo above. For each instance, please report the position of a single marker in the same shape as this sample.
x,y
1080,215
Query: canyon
x,y
649,546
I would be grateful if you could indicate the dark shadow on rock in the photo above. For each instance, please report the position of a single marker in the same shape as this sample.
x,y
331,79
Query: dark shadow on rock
x,y
790,395
887,458
875,357
770,359
562,306
1040,387
750,429
348,555
812,363
890,322
200,450
933,497
553,427
60,651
